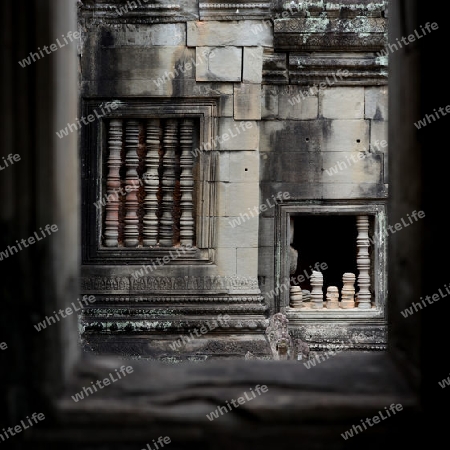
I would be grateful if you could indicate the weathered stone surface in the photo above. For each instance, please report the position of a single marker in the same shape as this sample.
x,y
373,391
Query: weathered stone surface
x,y
376,103
226,106
218,64
342,103
244,233
238,135
167,34
269,102
247,104
351,167
244,166
379,143
292,105
223,34
274,67
226,260
346,135
252,65
266,232
327,69
247,262
242,198
224,167
321,33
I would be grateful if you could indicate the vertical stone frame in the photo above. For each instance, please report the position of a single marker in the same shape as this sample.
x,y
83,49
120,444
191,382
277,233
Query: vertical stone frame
x,y
94,163
332,208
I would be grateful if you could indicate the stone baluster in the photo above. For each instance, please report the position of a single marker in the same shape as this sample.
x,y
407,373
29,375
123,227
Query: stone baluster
x,y
131,231
348,291
317,290
332,297
151,182
111,230
296,297
186,184
363,297
306,298
168,183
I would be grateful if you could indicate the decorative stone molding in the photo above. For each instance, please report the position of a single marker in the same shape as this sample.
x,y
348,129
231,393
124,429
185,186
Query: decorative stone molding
x,y
183,284
141,326
217,10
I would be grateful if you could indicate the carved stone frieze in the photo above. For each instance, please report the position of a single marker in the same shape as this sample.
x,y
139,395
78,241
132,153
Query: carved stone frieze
x,y
182,283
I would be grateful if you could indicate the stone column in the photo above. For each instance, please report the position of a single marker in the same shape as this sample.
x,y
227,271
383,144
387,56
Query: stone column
x,y
151,182
111,230
363,297
186,184
348,291
131,220
168,183
317,290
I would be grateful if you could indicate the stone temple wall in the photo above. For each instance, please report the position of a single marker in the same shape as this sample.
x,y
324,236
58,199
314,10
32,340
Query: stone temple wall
x,y
289,110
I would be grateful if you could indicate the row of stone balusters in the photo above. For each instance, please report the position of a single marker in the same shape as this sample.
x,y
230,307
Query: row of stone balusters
x,y
156,231
362,300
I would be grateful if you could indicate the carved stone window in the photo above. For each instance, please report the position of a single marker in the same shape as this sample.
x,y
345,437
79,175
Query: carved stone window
x,y
146,187
350,238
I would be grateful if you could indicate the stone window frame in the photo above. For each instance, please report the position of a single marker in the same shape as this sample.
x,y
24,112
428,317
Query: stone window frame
x,y
327,208
93,145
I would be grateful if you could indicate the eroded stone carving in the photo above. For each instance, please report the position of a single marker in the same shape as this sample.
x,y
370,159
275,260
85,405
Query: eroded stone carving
x,y
317,290
332,297
278,336
296,297
348,291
